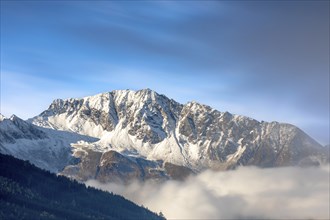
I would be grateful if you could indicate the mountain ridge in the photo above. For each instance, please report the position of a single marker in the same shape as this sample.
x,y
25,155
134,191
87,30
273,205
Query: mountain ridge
x,y
146,126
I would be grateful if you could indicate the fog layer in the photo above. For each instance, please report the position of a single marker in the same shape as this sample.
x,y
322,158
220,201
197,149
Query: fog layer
x,y
248,192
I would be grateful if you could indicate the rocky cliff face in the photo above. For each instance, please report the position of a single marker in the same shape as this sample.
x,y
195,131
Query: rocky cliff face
x,y
139,132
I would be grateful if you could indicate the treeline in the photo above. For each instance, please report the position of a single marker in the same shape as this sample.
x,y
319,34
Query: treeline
x,y
27,192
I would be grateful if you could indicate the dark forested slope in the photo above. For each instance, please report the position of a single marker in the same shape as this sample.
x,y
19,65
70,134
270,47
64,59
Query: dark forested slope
x,y
27,192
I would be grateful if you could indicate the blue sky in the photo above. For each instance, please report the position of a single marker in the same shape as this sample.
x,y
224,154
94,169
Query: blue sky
x,y
267,60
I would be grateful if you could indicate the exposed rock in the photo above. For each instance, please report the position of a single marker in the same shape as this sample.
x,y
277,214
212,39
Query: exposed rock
x,y
177,172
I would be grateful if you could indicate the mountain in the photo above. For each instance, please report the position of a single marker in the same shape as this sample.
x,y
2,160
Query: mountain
x,y
47,148
145,135
25,193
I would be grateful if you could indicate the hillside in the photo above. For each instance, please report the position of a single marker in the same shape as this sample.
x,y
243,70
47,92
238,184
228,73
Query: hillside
x,y
27,192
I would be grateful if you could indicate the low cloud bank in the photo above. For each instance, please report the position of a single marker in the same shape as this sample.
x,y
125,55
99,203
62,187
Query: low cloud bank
x,y
248,192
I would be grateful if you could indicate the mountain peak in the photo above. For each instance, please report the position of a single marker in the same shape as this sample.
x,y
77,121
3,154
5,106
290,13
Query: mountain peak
x,y
197,105
146,90
2,117
14,117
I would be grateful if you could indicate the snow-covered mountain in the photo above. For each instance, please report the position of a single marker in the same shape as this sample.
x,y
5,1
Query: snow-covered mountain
x,y
46,148
142,134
